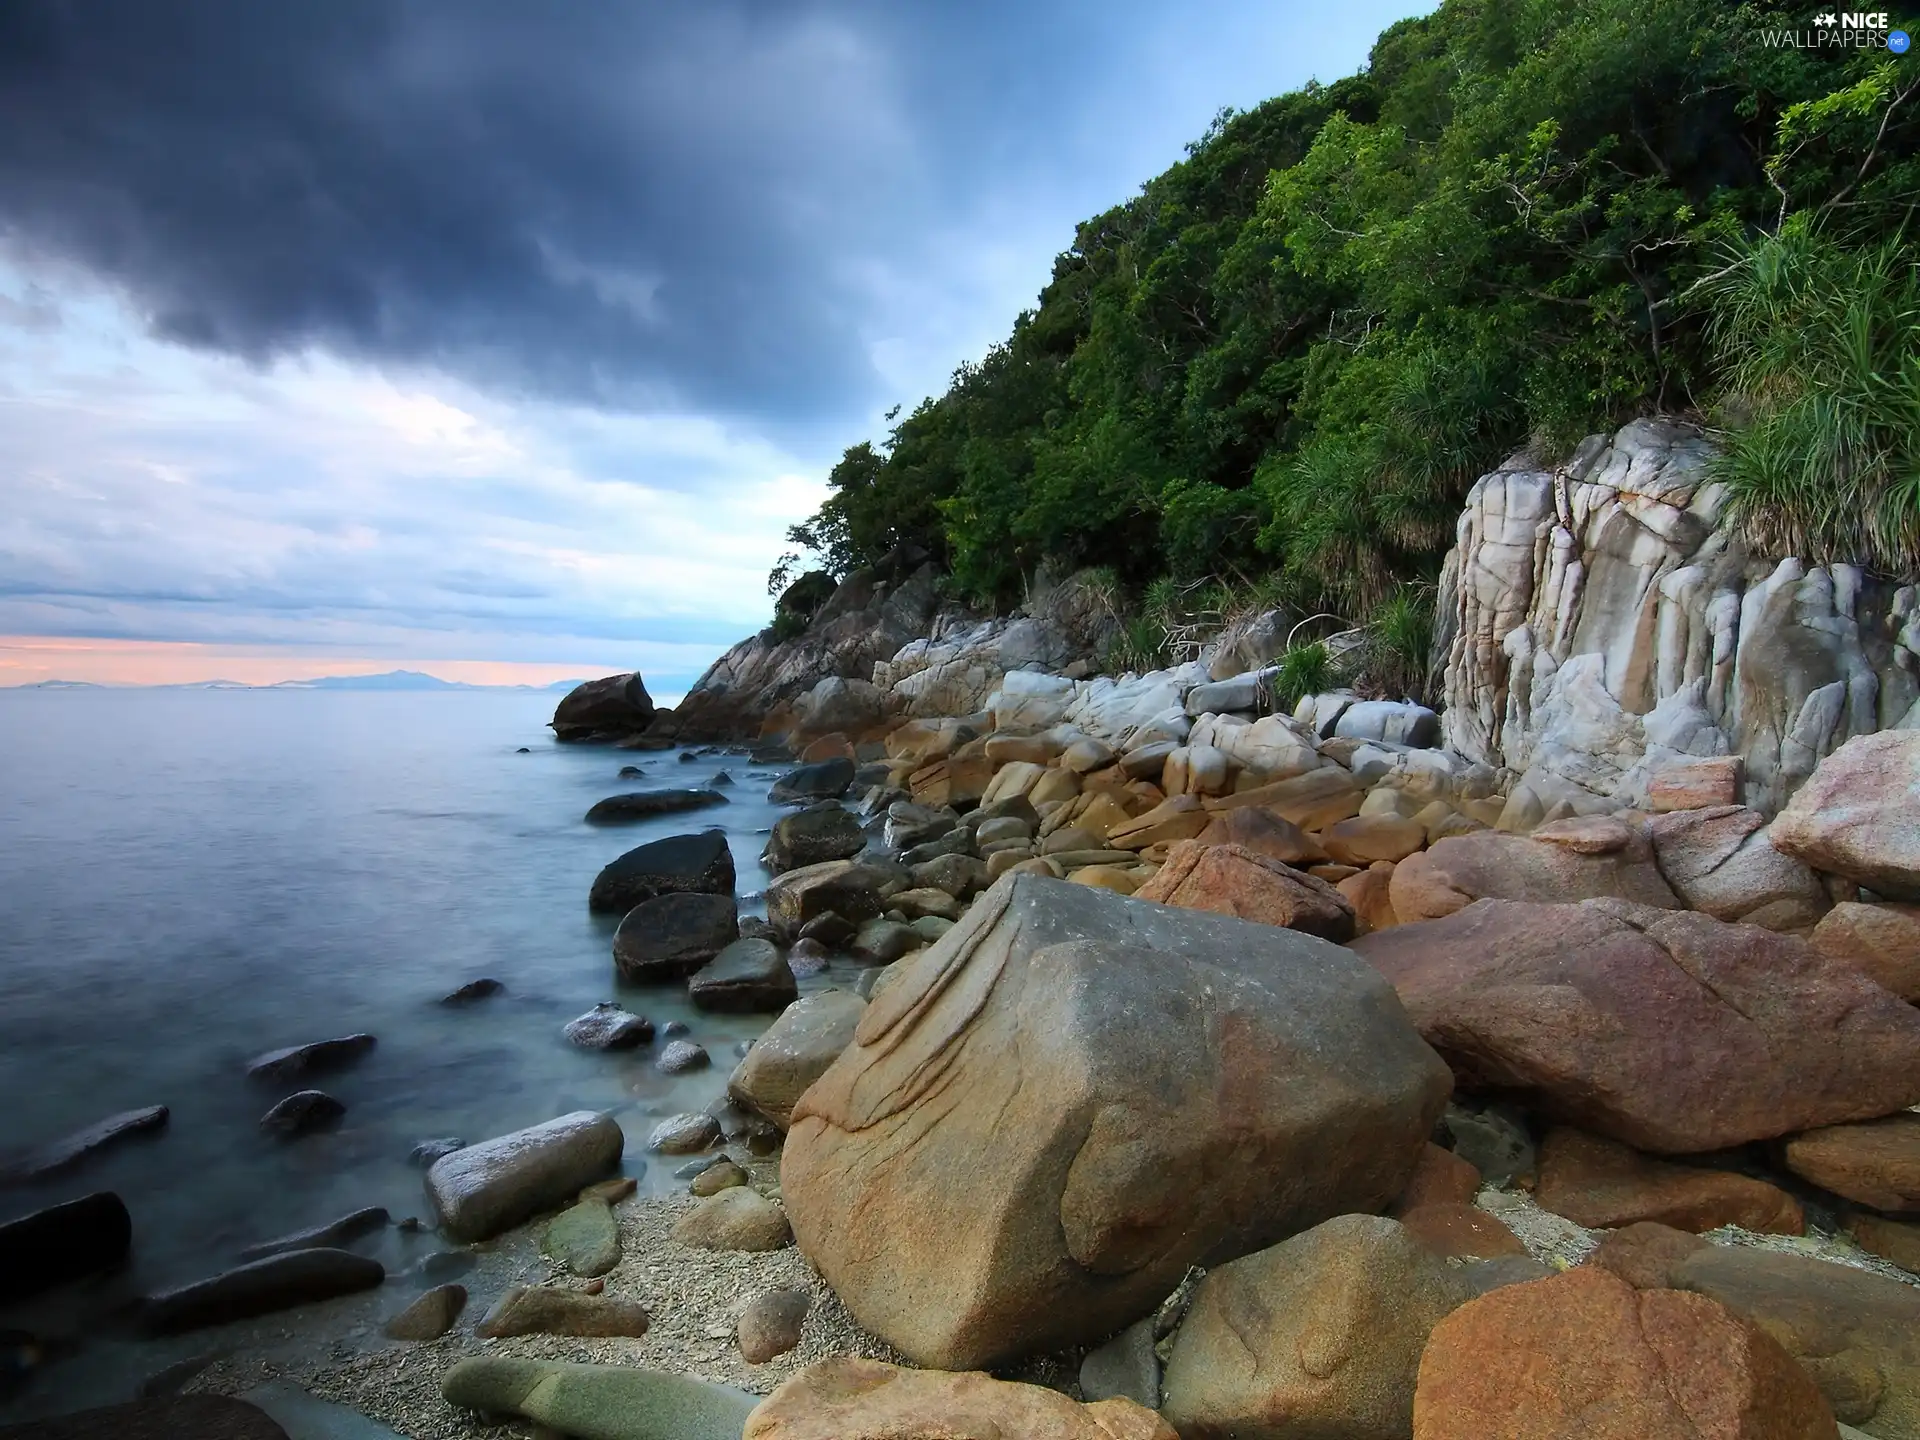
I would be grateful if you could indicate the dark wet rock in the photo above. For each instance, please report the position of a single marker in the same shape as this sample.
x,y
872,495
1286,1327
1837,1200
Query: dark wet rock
x,y
543,1310
169,1379
645,804
584,1238
827,831
70,1150
1493,1138
670,937
752,927
612,706
747,976
483,1189
674,1029
63,1242
679,1056
482,989
685,1133
302,1113
524,750
609,1026
770,1325
430,1316
807,957
279,1282
881,942
697,863
428,1151
831,929
825,780
316,1058
169,1417
698,1164
342,1231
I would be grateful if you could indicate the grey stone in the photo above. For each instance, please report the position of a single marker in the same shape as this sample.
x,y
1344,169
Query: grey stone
x,y
1126,1366
599,1402
1396,722
261,1287
609,1026
68,1151
1243,693
483,1189
484,988
302,1113
671,936
746,976
826,831
645,804
909,824
882,942
808,958
428,1151
307,1417
958,875
682,1134
1493,1138
826,780
677,1057
584,1238
795,1051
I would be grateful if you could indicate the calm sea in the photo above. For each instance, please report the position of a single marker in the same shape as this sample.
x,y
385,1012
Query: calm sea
x,y
188,878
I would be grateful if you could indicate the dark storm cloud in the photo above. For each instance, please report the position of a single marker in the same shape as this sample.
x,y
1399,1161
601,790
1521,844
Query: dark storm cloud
x,y
630,204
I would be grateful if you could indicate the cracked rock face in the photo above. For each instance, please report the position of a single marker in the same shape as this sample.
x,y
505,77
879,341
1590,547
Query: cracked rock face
x,y
1073,1096
1672,1031
1602,622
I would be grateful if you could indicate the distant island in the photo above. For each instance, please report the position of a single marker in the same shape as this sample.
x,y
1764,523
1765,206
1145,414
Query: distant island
x,y
386,680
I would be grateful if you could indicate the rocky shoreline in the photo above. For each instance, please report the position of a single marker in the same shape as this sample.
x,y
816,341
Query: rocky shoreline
x,y
1193,1065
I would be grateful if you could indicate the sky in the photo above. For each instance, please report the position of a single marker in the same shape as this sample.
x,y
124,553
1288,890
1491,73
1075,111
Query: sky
x,y
504,340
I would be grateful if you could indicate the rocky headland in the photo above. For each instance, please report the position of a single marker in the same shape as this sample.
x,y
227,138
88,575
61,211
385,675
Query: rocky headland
x,y
1542,1063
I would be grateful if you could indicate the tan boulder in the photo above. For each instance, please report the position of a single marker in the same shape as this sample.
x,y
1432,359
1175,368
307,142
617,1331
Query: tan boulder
x,y
1856,814
1264,833
1696,784
1585,1355
1604,1185
1875,1163
1197,770
794,1052
1856,1333
1073,1096
1572,861
1054,786
1671,1031
1087,755
1312,801
1105,877
1895,1241
1229,880
828,747
849,1397
1041,749
1456,1231
1722,862
1012,781
1371,894
954,781
737,1218
1882,941
1320,1335
1367,838
1180,818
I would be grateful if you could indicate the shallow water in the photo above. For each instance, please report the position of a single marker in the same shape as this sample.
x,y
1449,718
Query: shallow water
x,y
188,878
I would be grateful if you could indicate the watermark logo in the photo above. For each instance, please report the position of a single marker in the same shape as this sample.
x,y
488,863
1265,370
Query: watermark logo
x,y
1842,30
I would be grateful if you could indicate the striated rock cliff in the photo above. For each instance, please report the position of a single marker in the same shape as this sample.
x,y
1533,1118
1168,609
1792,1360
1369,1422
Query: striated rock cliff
x,y
1600,623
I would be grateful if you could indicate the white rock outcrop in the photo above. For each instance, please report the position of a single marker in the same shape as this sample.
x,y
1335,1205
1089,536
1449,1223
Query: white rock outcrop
x,y
1600,622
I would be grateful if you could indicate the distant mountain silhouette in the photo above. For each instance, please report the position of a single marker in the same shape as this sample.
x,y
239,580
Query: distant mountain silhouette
x,y
387,680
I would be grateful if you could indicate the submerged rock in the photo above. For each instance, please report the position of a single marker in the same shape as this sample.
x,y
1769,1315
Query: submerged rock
x,y
679,1056
317,1057
261,1287
609,1026
671,936
302,1113
347,1228
640,805
483,1189
70,1150
481,989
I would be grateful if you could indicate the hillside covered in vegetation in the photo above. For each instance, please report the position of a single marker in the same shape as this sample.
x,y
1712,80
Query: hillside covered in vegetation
x,y
1272,374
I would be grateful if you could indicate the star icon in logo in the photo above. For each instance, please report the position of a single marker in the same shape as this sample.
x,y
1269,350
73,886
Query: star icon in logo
x,y
1824,20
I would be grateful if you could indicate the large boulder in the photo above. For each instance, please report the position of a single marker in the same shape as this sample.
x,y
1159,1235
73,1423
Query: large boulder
x,y
608,708
1722,861
1876,1163
795,1052
1856,1333
671,936
838,705
822,832
1264,833
1073,1096
850,1397
1858,814
1605,1185
680,864
1882,941
746,976
480,1190
1229,880
822,780
848,888
1572,860
1674,1032
1585,1354
1319,1335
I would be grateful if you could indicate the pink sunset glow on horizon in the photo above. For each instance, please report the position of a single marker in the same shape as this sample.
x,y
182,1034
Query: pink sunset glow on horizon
x,y
29,659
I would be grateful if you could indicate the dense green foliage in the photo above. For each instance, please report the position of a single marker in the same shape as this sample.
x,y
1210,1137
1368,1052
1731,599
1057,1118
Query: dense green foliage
x,y
1280,365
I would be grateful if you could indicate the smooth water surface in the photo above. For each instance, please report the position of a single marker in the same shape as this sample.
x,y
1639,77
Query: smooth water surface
x,y
188,878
